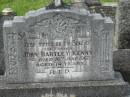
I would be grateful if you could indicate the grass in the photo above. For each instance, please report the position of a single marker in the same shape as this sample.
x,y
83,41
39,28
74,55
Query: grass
x,y
23,6
109,1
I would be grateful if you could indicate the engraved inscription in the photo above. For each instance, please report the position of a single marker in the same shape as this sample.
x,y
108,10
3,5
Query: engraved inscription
x,y
12,55
59,47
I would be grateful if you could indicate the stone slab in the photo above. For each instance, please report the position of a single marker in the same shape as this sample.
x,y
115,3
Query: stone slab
x,y
121,59
2,63
123,24
58,45
67,89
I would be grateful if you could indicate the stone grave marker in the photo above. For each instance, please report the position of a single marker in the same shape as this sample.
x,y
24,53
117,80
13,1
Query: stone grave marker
x,y
60,51
59,45
122,39
122,27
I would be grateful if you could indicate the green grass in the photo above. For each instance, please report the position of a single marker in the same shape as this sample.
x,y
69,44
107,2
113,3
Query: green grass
x,y
23,6
109,1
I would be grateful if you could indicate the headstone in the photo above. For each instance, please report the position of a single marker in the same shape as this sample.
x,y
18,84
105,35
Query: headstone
x,y
57,45
122,39
60,53
123,24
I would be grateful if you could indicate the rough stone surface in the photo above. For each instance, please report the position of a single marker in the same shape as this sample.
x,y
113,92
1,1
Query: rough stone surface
x,y
2,64
1,48
121,60
122,56
123,24
67,89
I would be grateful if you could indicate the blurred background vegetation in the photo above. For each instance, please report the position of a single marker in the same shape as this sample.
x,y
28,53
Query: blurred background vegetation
x,y
23,6
109,0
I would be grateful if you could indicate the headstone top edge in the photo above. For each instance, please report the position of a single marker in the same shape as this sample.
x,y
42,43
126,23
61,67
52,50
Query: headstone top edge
x,y
18,19
43,11
30,12
7,23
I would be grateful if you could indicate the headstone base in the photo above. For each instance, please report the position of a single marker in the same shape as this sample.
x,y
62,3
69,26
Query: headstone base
x,y
111,88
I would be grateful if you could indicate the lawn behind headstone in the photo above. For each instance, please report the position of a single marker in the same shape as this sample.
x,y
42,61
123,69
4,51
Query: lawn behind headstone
x,y
23,6
109,1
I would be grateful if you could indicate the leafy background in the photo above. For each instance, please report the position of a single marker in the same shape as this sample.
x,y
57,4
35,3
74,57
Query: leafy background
x,y
23,6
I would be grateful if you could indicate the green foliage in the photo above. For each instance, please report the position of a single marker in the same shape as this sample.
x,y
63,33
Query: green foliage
x,y
23,6
109,0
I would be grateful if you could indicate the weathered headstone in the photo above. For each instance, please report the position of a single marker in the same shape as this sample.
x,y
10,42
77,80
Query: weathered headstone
x,y
122,39
60,53
123,24
57,45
